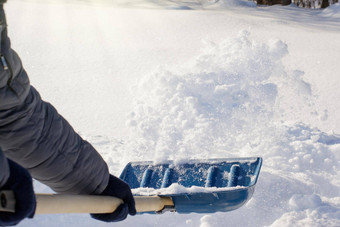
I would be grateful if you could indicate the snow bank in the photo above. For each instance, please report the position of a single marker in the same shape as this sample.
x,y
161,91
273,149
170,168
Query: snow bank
x,y
333,11
224,4
179,4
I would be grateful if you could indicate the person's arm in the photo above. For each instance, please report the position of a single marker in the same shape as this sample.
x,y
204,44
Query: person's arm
x,y
34,135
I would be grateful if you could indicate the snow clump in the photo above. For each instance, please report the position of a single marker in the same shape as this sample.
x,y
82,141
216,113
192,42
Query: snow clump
x,y
204,108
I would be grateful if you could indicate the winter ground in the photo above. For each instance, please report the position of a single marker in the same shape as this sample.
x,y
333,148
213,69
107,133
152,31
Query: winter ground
x,y
179,79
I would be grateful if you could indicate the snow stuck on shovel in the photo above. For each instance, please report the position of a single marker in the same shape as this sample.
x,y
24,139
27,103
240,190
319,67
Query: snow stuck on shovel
x,y
175,188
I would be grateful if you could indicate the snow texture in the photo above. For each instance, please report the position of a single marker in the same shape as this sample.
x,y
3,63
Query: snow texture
x,y
332,11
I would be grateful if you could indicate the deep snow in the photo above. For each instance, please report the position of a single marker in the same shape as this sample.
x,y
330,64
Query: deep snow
x,y
148,81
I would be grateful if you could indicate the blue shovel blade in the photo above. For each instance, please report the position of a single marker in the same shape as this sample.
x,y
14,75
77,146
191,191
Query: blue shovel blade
x,y
226,184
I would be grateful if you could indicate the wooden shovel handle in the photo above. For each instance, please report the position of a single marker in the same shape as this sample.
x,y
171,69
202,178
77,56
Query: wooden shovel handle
x,y
55,203
59,203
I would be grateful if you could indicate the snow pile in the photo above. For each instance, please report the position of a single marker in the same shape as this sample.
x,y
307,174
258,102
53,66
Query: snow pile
x,y
231,101
300,177
198,111
309,210
333,11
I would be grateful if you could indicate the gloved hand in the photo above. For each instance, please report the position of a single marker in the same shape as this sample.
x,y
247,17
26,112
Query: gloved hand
x,y
119,189
20,182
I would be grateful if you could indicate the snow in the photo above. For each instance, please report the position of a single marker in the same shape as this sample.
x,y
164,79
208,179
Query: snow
x,y
333,11
176,188
155,81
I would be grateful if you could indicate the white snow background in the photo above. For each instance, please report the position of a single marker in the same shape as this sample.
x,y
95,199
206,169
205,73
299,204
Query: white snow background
x,y
147,80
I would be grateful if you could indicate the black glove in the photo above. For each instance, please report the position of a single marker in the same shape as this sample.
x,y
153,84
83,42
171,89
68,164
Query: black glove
x,y
119,189
20,182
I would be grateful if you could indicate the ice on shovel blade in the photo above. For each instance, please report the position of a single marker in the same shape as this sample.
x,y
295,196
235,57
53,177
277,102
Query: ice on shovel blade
x,y
225,184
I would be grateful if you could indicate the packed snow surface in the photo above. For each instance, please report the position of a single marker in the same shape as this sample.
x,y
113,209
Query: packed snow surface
x,y
180,80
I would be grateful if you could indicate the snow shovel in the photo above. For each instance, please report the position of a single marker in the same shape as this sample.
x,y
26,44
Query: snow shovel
x,y
200,186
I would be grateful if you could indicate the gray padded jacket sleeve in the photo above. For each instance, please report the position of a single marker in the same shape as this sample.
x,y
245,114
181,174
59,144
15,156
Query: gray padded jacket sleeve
x,y
4,169
34,135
